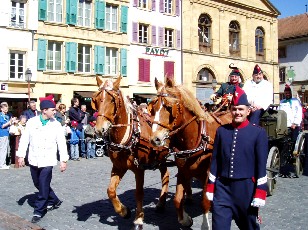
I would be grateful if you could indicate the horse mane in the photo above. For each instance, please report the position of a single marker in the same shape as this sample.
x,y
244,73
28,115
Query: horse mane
x,y
190,102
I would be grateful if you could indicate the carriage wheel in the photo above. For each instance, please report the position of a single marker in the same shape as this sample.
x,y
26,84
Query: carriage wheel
x,y
299,154
273,166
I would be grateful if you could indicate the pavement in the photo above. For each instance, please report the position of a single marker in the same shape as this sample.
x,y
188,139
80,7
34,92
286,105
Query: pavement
x,y
83,186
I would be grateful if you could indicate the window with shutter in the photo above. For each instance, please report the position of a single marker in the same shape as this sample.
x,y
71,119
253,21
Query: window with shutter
x,y
111,17
144,70
154,35
111,64
124,12
71,56
84,58
100,8
135,31
143,33
54,57
71,12
42,16
169,69
41,56
54,10
123,62
84,13
99,66
169,38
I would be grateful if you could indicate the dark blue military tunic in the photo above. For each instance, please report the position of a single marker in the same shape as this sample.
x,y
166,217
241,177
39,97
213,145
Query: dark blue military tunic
x,y
238,174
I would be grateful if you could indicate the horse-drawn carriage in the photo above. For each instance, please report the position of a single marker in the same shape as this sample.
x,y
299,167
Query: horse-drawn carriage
x,y
175,126
283,152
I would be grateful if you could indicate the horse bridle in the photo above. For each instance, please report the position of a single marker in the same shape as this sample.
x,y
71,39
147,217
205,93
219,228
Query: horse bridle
x,y
179,109
116,96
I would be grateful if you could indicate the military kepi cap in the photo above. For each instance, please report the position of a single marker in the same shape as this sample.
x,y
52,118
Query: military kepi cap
x,y
235,72
239,97
47,102
257,70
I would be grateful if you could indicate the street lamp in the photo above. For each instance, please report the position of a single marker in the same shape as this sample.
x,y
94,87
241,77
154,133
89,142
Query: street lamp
x,y
303,93
28,75
214,83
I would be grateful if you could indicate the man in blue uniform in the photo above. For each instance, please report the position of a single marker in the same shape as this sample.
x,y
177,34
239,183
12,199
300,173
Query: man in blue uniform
x,y
229,87
237,181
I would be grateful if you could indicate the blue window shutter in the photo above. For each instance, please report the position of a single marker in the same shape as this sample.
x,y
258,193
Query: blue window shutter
x,y
73,57
68,4
124,11
70,56
161,6
153,5
177,7
124,62
67,56
99,59
41,54
42,16
135,32
73,12
100,7
160,36
154,35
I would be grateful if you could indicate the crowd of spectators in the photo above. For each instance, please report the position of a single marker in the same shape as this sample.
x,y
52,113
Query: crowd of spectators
x,y
78,127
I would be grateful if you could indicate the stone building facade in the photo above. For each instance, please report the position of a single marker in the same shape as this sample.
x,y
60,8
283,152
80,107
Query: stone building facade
x,y
216,34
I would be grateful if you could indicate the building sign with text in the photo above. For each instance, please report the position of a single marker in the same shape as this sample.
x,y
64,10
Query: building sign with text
x,y
156,51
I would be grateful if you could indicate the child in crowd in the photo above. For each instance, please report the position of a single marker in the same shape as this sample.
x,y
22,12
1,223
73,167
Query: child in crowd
x,y
74,137
90,138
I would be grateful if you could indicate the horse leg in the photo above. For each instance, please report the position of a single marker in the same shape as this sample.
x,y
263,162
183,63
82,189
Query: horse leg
x,y
188,192
116,176
183,218
160,206
139,176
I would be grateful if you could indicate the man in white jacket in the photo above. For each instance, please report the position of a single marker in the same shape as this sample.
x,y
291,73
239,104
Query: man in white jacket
x,y
43,136
259,94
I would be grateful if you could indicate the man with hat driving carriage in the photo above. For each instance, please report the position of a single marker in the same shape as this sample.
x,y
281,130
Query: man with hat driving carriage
x,y
237,181
228,88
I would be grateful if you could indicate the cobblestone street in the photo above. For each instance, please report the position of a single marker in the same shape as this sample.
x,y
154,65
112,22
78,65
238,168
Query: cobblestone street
x,y
86,205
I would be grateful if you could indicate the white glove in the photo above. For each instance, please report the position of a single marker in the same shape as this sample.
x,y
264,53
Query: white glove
x,y
213,96
257,202
210,196
229,97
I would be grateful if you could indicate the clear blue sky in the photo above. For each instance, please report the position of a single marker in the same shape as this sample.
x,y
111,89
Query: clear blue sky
x,y
290,7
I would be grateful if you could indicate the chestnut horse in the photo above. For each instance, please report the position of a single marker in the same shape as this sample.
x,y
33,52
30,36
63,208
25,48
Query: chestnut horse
x,y
191,132
127,133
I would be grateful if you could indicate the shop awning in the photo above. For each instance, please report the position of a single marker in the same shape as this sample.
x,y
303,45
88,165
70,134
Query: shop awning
x,y
85,93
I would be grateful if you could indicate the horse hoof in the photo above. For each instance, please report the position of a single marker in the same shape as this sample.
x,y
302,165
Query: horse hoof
x,y
138,227
128,214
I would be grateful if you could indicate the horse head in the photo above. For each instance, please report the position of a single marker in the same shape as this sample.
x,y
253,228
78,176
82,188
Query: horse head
x,y
108,102
175,112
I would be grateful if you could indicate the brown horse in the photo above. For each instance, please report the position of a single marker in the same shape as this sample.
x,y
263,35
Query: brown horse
x,y
190,132
128,133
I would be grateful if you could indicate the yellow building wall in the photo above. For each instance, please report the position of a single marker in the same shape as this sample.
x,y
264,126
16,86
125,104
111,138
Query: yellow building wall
x,y
249,15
